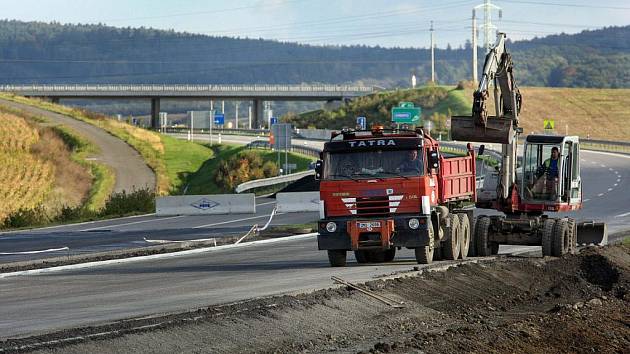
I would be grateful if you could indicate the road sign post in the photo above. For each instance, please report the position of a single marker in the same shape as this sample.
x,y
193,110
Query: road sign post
x,y
362,122
406,113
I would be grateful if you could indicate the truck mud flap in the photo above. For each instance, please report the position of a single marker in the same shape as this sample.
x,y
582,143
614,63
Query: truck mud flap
x,y
497,130
590,232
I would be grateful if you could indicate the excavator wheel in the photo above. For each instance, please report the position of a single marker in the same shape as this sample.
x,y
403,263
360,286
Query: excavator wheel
x,y
547,237
361,256
572,236
451,247
472,250
484,247
424,254
464,225
337,258
561,238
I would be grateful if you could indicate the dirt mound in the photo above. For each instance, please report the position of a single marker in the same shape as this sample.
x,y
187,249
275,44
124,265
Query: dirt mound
x,y
571,304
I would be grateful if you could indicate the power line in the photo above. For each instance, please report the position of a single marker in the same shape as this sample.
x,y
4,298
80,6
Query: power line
x,y
566,5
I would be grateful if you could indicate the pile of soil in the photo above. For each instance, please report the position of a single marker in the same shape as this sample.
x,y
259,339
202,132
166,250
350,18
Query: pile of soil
x,y
579,303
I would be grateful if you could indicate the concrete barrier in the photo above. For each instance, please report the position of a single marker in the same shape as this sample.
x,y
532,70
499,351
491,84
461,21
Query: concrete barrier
x,y
206,204
297,202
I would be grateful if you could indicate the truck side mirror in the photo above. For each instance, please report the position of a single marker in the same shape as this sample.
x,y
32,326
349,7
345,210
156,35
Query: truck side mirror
x,y
434,159
482,148
319,167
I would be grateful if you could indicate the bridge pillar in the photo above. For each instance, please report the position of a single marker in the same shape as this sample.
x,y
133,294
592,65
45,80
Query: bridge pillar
x,y
155,113
258,114
54,100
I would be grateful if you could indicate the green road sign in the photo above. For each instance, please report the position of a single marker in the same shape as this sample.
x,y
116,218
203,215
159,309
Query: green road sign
x,y
406,113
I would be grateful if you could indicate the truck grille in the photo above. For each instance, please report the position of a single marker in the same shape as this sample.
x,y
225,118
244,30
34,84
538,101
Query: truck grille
x,y
373,206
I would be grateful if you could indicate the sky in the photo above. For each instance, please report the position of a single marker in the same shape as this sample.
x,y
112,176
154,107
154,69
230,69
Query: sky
x,y
386,23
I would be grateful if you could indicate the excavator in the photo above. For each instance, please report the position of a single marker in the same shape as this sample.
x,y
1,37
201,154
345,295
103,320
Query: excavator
x,y
547,180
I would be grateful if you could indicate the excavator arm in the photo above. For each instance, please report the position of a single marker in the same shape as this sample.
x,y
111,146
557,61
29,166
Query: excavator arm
x,y
500,128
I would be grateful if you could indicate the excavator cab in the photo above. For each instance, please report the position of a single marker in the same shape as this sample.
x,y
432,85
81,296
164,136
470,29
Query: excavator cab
x,y
551,171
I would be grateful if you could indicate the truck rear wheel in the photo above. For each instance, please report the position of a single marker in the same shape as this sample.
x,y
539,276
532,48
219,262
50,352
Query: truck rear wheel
x,y
337,258
361,256
464,225
547,237
451,247
561,238
437,252
484,248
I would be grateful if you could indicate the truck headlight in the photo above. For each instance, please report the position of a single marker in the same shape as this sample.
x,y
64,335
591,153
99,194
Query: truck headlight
x,y
331,227
414,223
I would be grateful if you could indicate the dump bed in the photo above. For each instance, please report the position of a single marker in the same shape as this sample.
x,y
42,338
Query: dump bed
x,y
457,178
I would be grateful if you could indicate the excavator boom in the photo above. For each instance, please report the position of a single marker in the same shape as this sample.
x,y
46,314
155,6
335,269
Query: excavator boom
x,y
480,126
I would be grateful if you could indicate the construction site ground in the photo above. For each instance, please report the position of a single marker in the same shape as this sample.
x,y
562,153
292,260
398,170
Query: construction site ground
x,y
578,303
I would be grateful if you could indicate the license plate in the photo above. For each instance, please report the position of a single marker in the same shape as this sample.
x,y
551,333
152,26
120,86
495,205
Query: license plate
x,y
369,225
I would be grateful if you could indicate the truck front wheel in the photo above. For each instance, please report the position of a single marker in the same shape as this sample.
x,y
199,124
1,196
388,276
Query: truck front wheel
x,y
424,254
337,258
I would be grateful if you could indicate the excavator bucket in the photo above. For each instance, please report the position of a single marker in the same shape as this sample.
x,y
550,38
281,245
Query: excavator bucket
x,y
497,130
590,232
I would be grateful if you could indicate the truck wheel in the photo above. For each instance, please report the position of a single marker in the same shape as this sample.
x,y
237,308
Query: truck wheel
x,y
561,238
547,237
484,248
376,256
464,225
437,252
389,254
572,235
337,258
452,245
424,254
361,256
472,250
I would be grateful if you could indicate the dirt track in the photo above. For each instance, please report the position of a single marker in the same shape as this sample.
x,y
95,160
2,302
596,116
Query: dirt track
x,y
575,304
129,167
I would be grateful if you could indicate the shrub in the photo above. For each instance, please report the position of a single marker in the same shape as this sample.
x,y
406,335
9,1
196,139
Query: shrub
x,y
124,203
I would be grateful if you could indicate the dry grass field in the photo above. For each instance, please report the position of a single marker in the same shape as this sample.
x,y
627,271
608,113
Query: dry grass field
x,y
598,113
25,179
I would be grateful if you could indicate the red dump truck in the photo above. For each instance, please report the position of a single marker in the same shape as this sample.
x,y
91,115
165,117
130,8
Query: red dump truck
x,y
382,190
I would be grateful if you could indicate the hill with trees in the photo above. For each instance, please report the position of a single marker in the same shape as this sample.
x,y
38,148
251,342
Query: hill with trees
x,y
35,52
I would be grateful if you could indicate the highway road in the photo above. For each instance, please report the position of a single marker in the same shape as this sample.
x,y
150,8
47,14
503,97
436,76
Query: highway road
x,y
49,301
131,232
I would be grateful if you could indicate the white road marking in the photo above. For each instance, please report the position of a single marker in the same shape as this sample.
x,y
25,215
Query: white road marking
x,y
610,189
603,166
600,194
132,223
233,221
152,257
585,200
266,203
616,184
622,215
34,252
618,180
611,169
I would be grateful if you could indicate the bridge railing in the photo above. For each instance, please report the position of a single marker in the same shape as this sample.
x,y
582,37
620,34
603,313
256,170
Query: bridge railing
x,y
184,88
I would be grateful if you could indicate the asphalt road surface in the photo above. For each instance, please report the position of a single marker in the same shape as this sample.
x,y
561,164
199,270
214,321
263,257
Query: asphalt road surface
x,y
129,167
126,233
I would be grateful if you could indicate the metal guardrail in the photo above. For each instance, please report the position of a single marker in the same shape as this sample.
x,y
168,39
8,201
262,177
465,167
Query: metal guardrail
x,y
272,181
162,88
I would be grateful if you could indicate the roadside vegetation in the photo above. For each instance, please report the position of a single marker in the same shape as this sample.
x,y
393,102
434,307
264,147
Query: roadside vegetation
x,y
437,102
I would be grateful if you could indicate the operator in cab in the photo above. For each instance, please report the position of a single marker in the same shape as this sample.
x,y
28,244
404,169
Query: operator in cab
x,y
411,163
547,175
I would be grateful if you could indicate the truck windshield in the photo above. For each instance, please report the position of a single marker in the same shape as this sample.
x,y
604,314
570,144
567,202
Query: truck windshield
x,y
370,164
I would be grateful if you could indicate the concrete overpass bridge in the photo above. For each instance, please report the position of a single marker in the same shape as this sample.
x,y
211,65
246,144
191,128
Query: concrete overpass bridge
x,y
154,92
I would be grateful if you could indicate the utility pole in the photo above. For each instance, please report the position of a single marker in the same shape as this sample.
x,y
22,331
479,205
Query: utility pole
x,y
223,107
432,56
488,26
474,48
249,123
